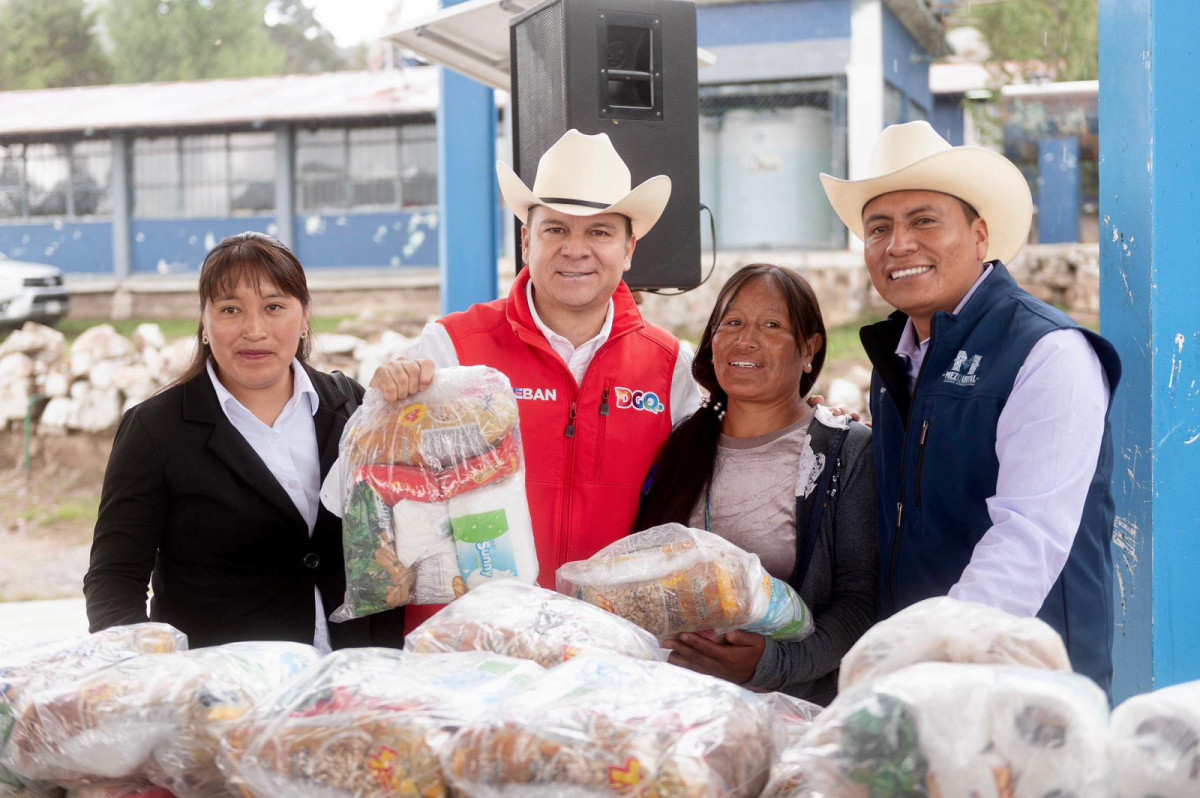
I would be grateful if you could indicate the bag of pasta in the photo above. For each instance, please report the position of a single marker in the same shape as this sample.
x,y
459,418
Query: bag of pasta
x,y
670,579
366,723
431,491
157,717
25,671
529,622
603,725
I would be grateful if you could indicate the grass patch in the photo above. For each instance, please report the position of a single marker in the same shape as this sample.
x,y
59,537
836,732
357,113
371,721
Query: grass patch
x,y
69,511
844,344
174,328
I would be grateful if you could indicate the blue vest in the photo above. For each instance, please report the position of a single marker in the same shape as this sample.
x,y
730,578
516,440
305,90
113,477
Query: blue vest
x,y
936,465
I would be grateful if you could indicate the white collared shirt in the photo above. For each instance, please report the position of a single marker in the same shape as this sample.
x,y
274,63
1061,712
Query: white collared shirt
x,y
289,450
1048,440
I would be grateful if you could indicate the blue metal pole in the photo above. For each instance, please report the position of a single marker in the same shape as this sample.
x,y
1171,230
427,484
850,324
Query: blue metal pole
x,y
1150,309
467,233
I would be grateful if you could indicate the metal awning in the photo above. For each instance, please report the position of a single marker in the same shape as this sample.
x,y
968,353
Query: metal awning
x,y
472,38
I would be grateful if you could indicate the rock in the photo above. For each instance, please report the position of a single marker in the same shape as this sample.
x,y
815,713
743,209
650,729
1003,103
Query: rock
x,y
59,415
371,356
148,336
335,344
99,343
79,389
99,410
177,356
36,340
16,366
14,399
859,376
101,375
135,382
847,395
57,381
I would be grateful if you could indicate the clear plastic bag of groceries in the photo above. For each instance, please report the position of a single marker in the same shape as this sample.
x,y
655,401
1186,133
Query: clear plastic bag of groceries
x,y
433,494
154,717
946,729
367,723
530,622
670,579
945,630
29,669
1154,742
119,788
602,724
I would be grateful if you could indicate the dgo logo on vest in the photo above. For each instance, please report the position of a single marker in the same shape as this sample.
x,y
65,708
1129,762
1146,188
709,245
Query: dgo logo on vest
x,y
628,398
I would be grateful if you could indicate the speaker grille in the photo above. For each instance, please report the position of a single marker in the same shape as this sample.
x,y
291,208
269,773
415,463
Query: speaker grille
x,y
541,101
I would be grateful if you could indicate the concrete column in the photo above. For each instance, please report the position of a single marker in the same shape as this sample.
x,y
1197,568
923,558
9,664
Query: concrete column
x,y
122,212
864,88
1150,179
285,192
467,193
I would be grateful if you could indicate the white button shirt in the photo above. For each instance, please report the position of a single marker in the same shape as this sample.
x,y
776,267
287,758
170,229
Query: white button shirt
x,y
289,450
1048,441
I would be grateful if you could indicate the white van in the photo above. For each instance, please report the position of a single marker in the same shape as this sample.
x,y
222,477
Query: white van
x,y
31,292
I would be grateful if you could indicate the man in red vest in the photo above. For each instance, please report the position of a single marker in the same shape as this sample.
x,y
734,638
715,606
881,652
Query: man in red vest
x,y
599,388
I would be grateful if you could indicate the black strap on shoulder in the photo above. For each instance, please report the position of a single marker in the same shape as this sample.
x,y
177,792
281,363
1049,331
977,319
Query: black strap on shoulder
x,y
806,544
347,387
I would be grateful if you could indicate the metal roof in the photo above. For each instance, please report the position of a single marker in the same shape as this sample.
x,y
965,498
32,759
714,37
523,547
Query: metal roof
x,y
244,101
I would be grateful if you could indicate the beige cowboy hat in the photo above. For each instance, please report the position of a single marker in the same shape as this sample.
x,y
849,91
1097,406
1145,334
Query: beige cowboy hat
x,y
584,176
913,157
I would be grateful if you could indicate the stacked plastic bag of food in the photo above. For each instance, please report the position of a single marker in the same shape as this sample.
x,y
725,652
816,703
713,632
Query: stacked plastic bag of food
x,y
945,630
529,622
26,671
126,788
603,725
431,491
1155,743
367,722
671,579
155,717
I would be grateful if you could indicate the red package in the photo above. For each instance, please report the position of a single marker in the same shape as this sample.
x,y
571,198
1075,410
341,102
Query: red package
x,y
396,483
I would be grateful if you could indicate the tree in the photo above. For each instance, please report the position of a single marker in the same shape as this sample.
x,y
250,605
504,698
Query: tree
x,y
49,43
1035,40
160,40
309,46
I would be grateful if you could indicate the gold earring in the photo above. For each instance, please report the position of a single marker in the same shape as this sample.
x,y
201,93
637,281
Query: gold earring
x,y
303,334
204,338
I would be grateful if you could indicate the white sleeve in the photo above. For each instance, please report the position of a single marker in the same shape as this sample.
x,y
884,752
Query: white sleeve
x,y
434,344
685,394
1048,442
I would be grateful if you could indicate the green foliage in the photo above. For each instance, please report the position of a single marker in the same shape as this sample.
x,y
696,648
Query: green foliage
x,y
162,40
1054,39
308,45
46,44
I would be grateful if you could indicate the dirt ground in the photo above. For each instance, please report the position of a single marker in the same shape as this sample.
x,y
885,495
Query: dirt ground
x,y
47,514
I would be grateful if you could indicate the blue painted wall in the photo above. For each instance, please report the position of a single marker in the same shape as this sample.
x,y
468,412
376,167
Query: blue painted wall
x,y
761,23
369,240
947,117
1058,196
170,246
74,247
1149,295
905,62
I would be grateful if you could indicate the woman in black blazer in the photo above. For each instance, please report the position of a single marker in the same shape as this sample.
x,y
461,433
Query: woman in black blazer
x,y
228,530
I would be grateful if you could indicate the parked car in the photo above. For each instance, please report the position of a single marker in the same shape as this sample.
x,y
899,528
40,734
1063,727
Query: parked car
x,y
31,292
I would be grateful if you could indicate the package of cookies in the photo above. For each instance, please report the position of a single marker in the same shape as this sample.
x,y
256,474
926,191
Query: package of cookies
x,y
156,717
943,629
367,722
431,492
671,579
530,622
27,670
601,724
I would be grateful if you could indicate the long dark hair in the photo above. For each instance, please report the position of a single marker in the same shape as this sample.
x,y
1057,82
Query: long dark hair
x,y
685,465
255,258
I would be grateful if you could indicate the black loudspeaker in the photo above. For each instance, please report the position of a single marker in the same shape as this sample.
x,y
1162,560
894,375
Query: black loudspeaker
x,y
626,68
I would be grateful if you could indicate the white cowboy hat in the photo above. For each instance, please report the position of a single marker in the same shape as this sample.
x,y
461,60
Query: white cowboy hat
x,y
584,176
913,157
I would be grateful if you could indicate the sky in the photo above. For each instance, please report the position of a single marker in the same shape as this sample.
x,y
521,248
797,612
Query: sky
x,y
360,21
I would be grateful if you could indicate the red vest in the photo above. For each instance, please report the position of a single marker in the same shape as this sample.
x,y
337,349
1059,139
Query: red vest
x,y
589,447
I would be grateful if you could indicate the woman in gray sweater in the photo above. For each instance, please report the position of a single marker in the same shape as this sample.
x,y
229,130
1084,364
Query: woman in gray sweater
x,y
791,483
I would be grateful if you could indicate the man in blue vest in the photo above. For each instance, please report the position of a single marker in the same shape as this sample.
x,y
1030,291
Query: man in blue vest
x,y
992,442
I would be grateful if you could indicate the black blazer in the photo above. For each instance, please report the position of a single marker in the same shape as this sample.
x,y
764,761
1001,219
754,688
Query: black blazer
x,y
188,500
